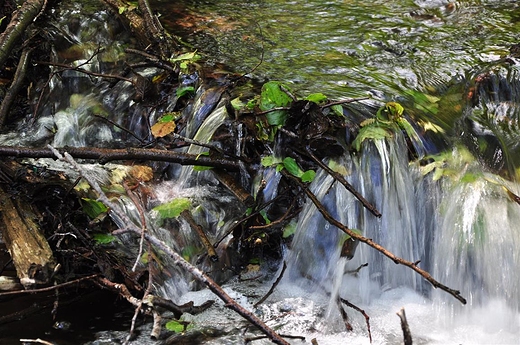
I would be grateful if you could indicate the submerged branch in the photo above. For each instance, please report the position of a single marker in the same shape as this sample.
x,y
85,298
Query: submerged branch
x,y
400,261
104,155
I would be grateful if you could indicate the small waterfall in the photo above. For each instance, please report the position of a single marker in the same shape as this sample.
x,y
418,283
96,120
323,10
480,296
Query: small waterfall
x,y
462,228
382,174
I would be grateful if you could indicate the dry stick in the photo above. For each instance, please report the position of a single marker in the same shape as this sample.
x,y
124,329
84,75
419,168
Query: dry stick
x,y
50,288
271,290
344,182
359,310
186,214
177,259
404,326
397,260
105,155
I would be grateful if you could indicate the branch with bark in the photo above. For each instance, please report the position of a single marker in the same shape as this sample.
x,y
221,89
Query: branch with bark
x,y
103,155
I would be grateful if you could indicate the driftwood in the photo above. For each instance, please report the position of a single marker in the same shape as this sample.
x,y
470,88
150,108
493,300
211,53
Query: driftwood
x,y
31,254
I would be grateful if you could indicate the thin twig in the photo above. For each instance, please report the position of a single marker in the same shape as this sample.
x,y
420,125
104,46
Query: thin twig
x,y
50,288
271,290
367,318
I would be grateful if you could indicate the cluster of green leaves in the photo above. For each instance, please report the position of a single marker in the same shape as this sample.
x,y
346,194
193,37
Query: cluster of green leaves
x,y
389,119
274,95
292,167
452,164
184,60
172,209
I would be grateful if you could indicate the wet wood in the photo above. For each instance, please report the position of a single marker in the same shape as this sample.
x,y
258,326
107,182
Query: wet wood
x,y
103,155
407,335
31,254
234,187
186,215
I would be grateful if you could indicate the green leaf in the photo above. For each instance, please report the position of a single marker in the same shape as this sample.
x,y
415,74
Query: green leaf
x,y
269,161
263,213
175,326
308,176
93,208
201,168
237,104
369,132
103,238
193,56
289,229
316,97
338,110
410,131
470,177
182,91
292,167
173,208
272,96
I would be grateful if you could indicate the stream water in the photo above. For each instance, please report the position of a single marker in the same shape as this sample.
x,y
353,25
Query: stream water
x,y
454,212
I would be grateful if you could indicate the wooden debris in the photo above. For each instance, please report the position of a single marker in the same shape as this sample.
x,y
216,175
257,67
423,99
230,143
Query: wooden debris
x,y
31,254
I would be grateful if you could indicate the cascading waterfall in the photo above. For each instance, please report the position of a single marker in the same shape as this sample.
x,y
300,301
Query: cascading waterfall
x,y
462,228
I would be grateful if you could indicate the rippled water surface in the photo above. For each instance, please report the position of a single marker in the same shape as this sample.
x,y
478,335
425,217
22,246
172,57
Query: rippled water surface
x,y
348,47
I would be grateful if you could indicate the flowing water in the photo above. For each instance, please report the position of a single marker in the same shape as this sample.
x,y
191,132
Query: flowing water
x,y
454,212
458,219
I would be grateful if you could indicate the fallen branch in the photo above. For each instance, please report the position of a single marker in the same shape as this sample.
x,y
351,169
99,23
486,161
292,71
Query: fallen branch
x,y
362,312
50,288
105,155
186,215
15,86
397,260
177,259
275,284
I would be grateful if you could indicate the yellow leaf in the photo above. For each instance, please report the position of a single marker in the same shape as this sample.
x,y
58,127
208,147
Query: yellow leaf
x,y
161,129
